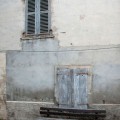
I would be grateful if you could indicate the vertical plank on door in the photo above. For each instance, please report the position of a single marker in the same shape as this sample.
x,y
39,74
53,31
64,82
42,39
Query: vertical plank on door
x,y
80,88
64,87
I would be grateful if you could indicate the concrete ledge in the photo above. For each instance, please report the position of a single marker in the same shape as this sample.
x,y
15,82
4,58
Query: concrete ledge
x,y
24,110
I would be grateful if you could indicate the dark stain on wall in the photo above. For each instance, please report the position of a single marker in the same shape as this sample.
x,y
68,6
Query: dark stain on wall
x,y
19,94
23,1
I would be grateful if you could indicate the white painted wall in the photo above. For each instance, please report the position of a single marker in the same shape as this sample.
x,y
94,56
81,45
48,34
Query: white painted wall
x,y
86,22
11,24
74,22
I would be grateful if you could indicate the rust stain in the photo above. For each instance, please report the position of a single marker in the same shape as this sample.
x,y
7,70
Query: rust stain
x,y
82,17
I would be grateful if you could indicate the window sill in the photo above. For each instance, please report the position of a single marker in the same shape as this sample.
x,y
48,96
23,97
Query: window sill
x,y
38,36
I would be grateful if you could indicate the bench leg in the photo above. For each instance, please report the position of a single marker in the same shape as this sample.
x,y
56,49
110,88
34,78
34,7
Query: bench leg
x,y
47,113
96,118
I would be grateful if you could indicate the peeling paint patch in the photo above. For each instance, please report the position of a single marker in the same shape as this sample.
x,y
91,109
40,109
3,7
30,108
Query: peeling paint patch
x,y
82,17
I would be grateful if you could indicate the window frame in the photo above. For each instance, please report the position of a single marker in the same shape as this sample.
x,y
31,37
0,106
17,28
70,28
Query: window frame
x,y
37,13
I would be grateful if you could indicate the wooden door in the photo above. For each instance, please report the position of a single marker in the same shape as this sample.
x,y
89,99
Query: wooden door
x,y
80,88
64,87
71,87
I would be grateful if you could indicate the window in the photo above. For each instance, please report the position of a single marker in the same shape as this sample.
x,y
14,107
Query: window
x,y
37,16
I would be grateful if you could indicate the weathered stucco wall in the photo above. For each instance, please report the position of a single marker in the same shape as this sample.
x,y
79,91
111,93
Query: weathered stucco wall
x,y
3,114
74,23
86,22
31,74
12,21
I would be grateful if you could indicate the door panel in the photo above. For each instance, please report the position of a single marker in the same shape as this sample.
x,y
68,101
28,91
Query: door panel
x,y
80,91
64,87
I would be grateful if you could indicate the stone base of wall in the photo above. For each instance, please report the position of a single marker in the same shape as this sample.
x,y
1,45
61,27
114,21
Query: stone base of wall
x,y
25,110
30,110
3,112
113,110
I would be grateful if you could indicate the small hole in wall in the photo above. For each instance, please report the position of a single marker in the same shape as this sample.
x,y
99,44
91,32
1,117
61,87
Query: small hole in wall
x,y
23,34
71,44
103,101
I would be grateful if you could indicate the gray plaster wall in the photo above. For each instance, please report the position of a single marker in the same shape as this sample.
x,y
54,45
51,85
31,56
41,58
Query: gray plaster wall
x,y
31,72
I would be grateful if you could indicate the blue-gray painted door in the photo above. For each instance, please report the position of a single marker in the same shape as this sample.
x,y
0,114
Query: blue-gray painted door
x,y
80,88
72,87
64,87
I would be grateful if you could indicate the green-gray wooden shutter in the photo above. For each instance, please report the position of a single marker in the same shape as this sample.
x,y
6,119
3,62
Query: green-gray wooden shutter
x,y
37,19
71,87
64,87
44,16
30,17
80,76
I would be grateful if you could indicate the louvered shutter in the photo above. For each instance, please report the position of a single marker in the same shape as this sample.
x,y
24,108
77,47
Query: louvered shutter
x,y
44,16
37,16
31,17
